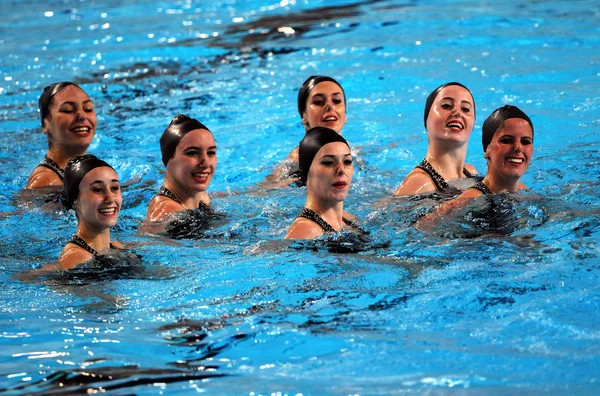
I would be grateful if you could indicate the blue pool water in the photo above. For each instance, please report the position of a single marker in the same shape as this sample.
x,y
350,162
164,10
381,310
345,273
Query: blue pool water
x,y
458,311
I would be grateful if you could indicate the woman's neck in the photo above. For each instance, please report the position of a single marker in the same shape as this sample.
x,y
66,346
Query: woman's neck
x,y
188,201
332,212
499,183
98,239
447,162
62,155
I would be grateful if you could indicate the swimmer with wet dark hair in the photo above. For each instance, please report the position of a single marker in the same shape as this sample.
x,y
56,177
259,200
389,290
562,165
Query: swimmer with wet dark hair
x,y
449,118
507,139
69,119
321,102
93,190
326,166
189,153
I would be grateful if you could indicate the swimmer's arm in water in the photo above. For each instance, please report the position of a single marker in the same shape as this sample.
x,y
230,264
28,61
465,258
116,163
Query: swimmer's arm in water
x,y
43,177
303,228
417,182
446,209
282,169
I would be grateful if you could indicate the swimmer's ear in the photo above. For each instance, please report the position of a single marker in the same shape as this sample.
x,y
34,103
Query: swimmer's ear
x,y
305,120
45,127
486,155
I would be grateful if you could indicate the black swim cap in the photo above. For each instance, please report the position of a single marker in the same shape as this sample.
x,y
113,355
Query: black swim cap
x,y
497,118
180,125
434,95
48,94
76,169
314,139
308,86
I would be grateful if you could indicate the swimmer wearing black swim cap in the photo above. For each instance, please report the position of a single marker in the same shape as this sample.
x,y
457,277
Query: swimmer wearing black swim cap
x,y
93,190
326,164
449,117
321,102
189,153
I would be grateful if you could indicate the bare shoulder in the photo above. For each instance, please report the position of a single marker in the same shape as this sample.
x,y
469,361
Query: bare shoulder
x,y
160,207
417,182
117,245
303,228
349,216
43,177
471,169
72,255
204,197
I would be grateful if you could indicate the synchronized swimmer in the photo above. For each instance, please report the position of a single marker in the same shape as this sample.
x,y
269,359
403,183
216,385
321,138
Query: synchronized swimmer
x,y
323,162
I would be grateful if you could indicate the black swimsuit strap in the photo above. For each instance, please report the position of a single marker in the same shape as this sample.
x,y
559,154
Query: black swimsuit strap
x,y
165,192
77,240
50,164
483,188
312,215
438,180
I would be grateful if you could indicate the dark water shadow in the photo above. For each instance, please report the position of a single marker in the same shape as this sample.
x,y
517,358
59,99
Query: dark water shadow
x,y
107,379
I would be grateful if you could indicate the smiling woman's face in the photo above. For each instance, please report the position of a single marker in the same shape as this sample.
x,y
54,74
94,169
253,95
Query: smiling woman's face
x,y
99,201
509,153
452,114
71,119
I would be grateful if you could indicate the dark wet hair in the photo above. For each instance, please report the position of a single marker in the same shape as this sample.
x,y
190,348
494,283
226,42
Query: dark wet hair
x,y
436,92
308,86
314,139
497,118
180,125
46,98
76,169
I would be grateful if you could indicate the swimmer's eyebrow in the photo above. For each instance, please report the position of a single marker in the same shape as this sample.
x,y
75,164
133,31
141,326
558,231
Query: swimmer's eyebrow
x,y
322,94
200,148
102,182
74,103
452,99
334,156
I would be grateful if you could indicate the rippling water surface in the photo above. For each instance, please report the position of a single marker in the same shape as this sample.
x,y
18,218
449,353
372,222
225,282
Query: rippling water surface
x,y
458,310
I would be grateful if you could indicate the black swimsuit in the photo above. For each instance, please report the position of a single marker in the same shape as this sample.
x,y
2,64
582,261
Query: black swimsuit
x,y
189,223
312,215
441,184
77,240
165,192
483,188
53,166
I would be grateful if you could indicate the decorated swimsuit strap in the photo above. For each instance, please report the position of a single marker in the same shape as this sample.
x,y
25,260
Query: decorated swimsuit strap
x,y
483,188
312,215
77,240
50,164
438,180
165,192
